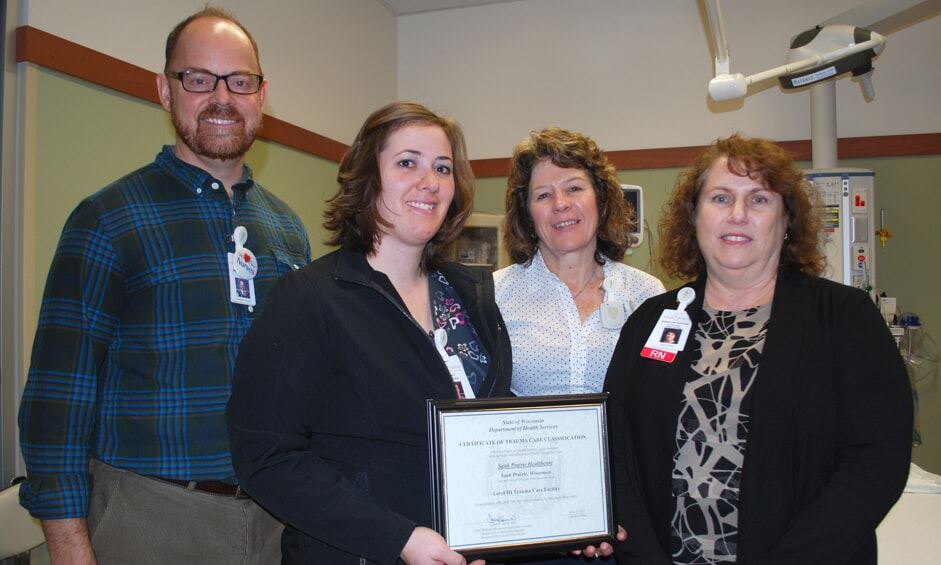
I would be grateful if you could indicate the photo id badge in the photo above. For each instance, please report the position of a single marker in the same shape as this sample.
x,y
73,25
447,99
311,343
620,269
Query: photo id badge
x,y
241,289
671,331
462,386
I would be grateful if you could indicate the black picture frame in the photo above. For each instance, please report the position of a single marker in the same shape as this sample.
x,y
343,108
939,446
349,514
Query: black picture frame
x,y
500,535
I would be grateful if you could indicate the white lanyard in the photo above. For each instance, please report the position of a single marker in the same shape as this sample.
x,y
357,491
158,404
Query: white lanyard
x,y
462,386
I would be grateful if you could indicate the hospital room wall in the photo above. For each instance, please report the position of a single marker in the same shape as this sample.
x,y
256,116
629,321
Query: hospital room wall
x,y
328,63
630,73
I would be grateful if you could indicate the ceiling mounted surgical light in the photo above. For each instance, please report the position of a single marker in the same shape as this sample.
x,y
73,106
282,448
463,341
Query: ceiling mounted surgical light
x,y
817,54
841,49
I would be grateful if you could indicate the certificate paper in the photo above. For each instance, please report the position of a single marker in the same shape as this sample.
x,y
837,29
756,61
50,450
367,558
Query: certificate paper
x,y
521,475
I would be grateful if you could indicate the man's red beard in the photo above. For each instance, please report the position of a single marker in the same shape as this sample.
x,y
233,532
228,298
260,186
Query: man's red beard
x,y
231,145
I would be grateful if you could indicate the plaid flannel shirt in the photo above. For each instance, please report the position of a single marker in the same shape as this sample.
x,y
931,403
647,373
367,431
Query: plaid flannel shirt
x,y
137,338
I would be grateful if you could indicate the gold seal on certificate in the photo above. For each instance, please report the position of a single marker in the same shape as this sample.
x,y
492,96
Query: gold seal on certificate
x,y
520,475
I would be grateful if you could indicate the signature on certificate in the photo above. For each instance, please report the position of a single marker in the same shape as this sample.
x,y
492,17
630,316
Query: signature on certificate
x,y
498,519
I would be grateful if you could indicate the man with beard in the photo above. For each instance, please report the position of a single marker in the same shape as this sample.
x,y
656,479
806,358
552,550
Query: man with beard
x,y
123,416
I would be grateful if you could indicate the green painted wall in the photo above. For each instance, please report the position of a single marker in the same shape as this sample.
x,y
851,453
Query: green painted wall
x,y
87,136
909,268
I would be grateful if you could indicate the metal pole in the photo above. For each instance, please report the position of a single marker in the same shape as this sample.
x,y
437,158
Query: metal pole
x,y
823,124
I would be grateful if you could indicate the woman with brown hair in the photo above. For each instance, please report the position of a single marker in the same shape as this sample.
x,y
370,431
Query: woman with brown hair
x,y
328,417
567,227
780,430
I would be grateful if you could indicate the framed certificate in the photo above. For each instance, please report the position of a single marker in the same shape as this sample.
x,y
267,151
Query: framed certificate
x,y
520,475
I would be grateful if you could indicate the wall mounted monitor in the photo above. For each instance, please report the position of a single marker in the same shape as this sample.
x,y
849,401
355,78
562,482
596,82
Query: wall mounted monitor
x,y
635,197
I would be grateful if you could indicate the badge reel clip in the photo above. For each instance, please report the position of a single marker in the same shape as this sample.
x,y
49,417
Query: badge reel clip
x,y
242,270
613,312
670,333
462,386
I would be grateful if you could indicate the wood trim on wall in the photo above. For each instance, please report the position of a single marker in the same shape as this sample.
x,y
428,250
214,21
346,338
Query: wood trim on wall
x,y
847,148
53,52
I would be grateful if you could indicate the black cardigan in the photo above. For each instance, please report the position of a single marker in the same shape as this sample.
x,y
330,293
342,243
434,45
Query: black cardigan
x,y
830,439
328,417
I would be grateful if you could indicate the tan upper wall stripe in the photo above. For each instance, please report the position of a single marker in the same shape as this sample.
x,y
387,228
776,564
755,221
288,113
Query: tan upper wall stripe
x,y
53,52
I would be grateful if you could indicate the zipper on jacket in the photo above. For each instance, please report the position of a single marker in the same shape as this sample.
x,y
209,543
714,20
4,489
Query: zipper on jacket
x,y
496,345
496,348
405,313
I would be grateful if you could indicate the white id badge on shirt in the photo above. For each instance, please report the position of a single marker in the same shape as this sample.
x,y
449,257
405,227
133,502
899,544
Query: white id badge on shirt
x,y
242,270
462,386
671,331
613,312
241,289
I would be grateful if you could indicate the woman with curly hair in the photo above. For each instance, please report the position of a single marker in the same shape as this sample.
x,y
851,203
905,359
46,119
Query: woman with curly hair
x,y
565,299
780,431
567,227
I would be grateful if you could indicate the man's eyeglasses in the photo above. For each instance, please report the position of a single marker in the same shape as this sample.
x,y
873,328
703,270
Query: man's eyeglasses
x,y
204,81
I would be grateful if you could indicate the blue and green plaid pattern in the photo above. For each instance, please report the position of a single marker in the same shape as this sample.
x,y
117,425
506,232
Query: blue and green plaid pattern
x,y
137,338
